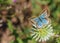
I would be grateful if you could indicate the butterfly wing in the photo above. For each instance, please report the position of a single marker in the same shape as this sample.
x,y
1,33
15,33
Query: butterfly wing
x,y
43,17
44,14
38,22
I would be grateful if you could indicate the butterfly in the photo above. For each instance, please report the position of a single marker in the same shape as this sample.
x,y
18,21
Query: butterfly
x,y
42,20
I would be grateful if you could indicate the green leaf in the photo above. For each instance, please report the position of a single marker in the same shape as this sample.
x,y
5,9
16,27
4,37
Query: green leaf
x,y
19,40
10,26
44,2
58,40
10,1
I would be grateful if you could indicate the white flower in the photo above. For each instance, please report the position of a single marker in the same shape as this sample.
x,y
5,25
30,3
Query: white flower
x,y
42,34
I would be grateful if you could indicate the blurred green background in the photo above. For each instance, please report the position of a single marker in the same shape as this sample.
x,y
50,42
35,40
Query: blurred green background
x,y
54,6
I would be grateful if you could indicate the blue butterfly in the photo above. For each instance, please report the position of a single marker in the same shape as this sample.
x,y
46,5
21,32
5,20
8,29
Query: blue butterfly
x,y
42,19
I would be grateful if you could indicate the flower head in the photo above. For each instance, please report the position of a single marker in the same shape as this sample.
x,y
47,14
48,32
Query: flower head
x,y
42,34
